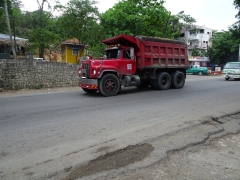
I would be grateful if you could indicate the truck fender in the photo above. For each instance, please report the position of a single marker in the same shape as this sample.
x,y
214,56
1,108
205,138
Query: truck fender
x,y
108,71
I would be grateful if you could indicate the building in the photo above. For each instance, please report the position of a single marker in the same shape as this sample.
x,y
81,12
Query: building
x,y
5,46
198,38
72,50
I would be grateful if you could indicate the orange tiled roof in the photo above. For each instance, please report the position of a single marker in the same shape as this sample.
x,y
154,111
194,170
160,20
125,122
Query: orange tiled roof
x,y
72,41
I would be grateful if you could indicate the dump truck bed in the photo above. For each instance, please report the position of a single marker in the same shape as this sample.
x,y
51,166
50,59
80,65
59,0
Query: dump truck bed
x,y
152,52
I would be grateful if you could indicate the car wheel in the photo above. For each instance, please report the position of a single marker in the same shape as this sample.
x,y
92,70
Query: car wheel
x,y
200,73
227,78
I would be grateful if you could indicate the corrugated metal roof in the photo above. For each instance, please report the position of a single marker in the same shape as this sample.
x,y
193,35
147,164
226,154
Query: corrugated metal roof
x,y
5,39
6,36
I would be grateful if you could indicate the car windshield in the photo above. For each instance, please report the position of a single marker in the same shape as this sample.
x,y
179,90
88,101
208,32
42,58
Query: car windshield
x,y
232,66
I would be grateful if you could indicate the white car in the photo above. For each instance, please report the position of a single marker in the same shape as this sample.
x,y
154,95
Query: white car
x,y
39,59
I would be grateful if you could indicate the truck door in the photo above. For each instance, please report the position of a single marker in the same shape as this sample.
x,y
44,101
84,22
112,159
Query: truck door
x,y
127,62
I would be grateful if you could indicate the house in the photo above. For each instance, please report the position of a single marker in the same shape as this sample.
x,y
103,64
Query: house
x,y
72,50
5,46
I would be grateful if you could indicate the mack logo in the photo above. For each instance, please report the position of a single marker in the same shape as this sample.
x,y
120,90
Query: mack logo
x,y
129,66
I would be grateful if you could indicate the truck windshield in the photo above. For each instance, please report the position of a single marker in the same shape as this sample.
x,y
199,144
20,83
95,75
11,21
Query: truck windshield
x,y
232,66
113,53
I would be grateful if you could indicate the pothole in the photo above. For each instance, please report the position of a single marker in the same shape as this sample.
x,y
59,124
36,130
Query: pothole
x,y
113,160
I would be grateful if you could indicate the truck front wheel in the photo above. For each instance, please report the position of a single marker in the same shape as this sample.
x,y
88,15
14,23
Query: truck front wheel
x,y
163,81
177,80
109,85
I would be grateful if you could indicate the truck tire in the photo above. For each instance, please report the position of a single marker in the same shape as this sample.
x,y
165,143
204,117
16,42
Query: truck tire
x,y
177,80
163,81
90,91
109,85
200,73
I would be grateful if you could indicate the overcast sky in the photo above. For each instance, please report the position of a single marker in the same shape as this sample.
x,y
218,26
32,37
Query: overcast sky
x,y
214,14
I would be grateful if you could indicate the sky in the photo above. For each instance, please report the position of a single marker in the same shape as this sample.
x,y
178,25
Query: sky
x,y
214,14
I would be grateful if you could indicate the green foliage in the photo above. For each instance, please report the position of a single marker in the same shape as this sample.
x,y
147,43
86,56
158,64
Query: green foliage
x,y
41,37
135,17
237,6
195,52
78,16
224,45
13,7
80,20
143,17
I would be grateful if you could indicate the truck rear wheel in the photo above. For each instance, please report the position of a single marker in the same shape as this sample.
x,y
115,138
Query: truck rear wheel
x,y
109,85
177,80
163,81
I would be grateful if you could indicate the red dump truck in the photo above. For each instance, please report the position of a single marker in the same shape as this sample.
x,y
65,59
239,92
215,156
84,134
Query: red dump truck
x,y
135,61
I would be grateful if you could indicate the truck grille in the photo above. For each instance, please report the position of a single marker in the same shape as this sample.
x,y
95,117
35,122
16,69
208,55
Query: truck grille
x,y
86,66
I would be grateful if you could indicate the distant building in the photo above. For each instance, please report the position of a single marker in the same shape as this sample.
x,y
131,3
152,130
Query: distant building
x,y
72,50
198,38
5,45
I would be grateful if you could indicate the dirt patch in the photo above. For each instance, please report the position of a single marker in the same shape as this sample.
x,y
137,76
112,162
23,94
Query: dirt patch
x,y
38,91
217,160
114,160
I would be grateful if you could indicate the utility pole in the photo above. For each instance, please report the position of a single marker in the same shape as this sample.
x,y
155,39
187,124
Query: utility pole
x,y
9,30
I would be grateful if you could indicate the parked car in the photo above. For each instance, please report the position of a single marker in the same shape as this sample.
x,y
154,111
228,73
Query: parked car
x,y
231,70
198,70
40,59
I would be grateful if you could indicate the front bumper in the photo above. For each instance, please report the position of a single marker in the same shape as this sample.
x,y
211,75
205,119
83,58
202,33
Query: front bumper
x,y
232,76
88,83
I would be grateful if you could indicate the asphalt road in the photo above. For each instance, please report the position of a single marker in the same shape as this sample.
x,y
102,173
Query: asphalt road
x,y
45,135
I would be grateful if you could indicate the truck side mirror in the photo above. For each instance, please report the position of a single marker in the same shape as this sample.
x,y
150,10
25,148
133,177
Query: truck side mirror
x,y
132,53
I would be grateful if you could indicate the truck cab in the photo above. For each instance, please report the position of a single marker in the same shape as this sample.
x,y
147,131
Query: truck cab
x,y
118,61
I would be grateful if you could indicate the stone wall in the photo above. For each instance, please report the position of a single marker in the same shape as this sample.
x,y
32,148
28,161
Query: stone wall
x,y
27,73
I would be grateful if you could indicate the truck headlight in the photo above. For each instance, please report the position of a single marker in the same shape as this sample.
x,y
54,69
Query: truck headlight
x,y
94,71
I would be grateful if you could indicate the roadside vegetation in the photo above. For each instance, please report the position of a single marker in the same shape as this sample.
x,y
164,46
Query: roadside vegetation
x,y
81,19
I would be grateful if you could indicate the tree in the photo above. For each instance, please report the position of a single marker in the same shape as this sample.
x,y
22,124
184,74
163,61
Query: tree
x,y
143,17
236,3
135,17
179,24
225,45
41,29
79,20
3,23
9,28
195,52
